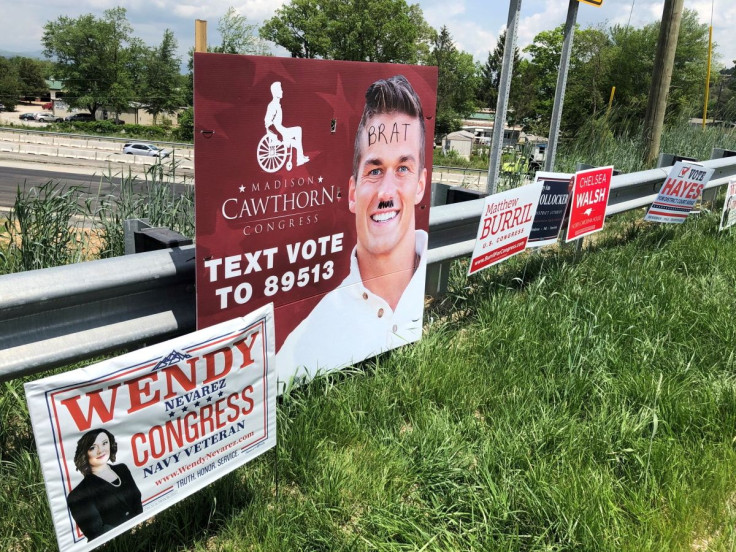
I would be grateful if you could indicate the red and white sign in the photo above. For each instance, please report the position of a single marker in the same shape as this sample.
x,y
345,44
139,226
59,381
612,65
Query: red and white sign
x,y
505,226
309,199
728,216
679,193
589,201
122,440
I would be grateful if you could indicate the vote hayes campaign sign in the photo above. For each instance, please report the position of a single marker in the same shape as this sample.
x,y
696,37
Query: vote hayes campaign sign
x,y
312,192
122,440
679,193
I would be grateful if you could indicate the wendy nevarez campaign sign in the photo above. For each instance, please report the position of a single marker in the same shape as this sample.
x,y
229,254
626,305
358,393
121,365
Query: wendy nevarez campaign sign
x,y
504,226
589,201
313,188
679,193
124,439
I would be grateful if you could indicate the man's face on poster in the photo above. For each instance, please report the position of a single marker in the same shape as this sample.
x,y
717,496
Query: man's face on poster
x,y
389,182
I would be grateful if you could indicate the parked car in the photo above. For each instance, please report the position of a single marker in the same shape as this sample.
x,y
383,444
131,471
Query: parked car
x,y
27,116
2,107
48,118
141,148
47,106
80,117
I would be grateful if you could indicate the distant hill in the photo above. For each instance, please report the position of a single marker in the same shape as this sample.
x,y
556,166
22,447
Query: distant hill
x,y
36,55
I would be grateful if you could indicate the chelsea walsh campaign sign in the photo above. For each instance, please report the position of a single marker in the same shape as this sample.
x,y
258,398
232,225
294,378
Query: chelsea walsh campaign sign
x,y
504,226
313,187
679,193
589,201
124,439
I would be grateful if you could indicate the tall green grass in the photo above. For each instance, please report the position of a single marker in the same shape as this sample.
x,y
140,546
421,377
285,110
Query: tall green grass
x,y
43,229
152,196
566,400
596,144
53,225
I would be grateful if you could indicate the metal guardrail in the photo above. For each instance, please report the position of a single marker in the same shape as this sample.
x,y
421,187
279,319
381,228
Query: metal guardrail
x,y
56,316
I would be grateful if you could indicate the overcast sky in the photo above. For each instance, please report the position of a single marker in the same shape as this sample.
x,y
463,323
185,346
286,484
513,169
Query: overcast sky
x,y
474,24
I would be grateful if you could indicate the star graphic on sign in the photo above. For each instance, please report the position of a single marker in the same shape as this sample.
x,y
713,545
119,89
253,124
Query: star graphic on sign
x,y
342,108
184,409
320,179
242,188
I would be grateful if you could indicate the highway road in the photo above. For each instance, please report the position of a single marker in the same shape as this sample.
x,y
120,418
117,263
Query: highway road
x,y
94,181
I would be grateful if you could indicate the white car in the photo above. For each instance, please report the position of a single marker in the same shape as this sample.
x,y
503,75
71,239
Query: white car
x,y
141,148
47,117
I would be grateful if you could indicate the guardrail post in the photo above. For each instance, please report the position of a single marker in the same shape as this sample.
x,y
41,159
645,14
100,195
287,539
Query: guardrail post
x,y
130,227
710,194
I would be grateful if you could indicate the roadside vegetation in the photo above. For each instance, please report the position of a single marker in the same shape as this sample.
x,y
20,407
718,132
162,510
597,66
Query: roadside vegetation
x,y
561,401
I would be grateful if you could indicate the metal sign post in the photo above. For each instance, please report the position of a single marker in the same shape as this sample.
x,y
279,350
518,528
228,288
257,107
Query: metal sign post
x,y
572,15
504,86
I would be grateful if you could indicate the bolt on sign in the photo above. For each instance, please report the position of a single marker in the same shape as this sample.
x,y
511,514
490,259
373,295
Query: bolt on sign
x,y
313,188
679,193
504,226
589,201
124,439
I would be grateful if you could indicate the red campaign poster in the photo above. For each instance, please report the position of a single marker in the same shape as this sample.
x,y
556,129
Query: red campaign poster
x,y
312,192
589,201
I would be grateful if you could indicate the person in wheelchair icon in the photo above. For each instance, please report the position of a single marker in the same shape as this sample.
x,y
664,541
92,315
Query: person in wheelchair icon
x,y
272,151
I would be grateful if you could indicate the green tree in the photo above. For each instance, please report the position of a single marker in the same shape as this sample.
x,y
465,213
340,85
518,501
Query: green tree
x,y
490,74
389,31
457,82
30,74
91,58
10,88
162,82
238,36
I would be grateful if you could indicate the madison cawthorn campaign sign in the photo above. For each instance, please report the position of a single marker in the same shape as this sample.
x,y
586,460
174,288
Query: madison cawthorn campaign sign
x,y
124,439
313,187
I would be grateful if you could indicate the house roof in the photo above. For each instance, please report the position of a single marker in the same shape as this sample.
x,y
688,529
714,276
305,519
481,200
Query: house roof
x,y
54,84
461,135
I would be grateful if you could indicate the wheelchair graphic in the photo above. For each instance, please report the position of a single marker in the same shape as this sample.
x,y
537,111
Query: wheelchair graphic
x,y
273,153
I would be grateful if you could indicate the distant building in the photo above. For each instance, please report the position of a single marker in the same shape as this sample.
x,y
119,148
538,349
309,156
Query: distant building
x,y
481,123
460,141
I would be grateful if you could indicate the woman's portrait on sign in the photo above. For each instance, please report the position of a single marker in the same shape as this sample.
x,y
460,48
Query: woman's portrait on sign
x,y
107,495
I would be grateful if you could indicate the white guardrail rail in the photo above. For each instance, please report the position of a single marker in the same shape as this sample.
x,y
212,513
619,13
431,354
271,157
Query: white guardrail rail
x,y
88,148
56,316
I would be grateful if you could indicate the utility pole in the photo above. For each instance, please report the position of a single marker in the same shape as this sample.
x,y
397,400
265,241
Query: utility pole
x,y
664,61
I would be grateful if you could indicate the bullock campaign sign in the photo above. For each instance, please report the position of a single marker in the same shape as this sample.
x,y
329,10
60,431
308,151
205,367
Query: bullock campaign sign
x,y
589,201
679,193
552,208
126,438
728,216
313,187
504,226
